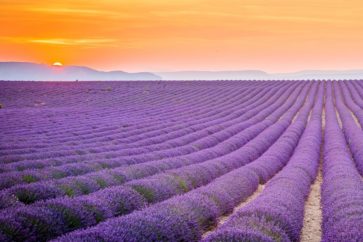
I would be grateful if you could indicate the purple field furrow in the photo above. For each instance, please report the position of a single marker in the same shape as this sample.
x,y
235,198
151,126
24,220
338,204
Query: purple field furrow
x,y
342,188
86,182
356,110
166,135
356,91
181,161
129,114
78,168
215,192
170,129
144,135
353,134
277,213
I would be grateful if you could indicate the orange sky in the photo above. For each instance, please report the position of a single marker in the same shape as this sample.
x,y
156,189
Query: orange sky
x,y
164,35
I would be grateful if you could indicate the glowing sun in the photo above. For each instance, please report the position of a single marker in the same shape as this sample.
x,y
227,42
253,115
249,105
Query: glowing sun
x,y
57,63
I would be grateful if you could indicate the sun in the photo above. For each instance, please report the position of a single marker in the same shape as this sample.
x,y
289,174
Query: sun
x,y
57,63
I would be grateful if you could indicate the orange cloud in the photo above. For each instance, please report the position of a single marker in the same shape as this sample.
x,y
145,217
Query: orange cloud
x,y
75,42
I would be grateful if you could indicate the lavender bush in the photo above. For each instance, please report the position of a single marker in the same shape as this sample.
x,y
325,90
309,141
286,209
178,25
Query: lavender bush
x,y
168,161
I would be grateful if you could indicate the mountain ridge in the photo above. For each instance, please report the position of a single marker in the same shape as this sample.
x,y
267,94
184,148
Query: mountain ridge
x,y
28,71
261,75
41,72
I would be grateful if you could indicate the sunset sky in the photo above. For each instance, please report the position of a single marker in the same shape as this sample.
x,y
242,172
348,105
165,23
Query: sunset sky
x,y
167,35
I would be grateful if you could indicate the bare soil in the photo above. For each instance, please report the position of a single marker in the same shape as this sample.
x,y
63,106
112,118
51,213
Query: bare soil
x,y
311,231
224,218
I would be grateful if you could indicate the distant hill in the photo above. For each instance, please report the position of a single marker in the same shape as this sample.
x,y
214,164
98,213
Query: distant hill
x,y
213,75
260,75
40,72
321,75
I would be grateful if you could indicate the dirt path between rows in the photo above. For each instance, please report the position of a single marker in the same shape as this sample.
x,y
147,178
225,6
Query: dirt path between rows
x,y
311,231
224,218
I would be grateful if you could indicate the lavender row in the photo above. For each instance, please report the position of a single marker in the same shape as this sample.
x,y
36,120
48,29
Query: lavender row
x,y
277,213
126,135
159,131
342,188
144,135
357,92
117,114
78,206
353,133
357,111
164,100
166,137
34,90
185,217
171,183
112,206
29,176
178,142
94,181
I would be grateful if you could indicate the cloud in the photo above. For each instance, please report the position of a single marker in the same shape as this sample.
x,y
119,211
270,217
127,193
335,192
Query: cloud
x,y
69,11
75,42
248,15
194,13
80,42
82,12
300,19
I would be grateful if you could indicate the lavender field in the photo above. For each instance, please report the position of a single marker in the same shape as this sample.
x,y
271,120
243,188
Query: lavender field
x,y
181,161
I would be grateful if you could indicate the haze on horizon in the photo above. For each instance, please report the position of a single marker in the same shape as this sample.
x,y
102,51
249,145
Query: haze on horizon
x,y
160,35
